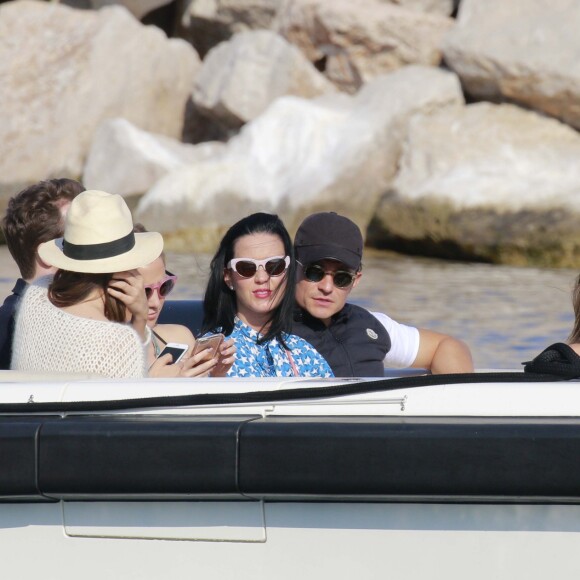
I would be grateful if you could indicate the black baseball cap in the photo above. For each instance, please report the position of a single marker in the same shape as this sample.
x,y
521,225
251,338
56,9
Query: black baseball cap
x,y
329,236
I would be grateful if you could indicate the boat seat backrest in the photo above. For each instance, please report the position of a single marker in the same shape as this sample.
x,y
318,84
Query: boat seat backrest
x,y
186,312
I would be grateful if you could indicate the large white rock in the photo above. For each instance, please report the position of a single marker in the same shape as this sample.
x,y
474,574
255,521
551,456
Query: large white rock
x,y
443,7
487,181
237,14
126,160
64,71
335,152
524,51
356,41
205,23
138,8
241,77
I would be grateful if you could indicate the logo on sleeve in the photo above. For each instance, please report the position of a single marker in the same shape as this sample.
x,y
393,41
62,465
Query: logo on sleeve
x,y
372,334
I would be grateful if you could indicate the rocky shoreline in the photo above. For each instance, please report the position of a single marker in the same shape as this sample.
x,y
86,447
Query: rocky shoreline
x,y
443,128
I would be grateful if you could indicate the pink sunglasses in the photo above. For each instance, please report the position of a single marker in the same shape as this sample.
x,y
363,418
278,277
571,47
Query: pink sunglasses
x,y
163,288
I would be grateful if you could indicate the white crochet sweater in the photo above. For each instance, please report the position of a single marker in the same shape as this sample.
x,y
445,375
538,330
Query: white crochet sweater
x,y
48,339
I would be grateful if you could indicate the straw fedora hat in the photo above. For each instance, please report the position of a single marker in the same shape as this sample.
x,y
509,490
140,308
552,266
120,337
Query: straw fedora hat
x,y
99,239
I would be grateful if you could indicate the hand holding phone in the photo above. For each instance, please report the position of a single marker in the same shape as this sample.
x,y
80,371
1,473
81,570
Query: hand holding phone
x,y
226,358
175,349
210,343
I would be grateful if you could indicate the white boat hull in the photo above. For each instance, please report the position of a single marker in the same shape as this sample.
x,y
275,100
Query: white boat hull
x,y
311,540
284,513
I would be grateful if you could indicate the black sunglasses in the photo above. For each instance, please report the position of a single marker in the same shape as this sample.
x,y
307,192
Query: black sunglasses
x,y
341,278
247,267
163,288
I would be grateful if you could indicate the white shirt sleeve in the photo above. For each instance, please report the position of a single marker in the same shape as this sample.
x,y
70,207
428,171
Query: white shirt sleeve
x,y
404,342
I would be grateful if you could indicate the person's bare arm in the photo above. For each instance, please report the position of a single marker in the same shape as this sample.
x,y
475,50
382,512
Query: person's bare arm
x,y
442,353
175,333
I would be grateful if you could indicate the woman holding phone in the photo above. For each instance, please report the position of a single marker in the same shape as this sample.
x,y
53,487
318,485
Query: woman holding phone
x,y
158,284
250,298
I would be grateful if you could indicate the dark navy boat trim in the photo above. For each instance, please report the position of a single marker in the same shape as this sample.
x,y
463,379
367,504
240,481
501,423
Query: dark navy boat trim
x,y
445,459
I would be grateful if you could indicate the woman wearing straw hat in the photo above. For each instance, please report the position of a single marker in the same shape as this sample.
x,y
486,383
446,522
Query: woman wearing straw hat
x,y
77,321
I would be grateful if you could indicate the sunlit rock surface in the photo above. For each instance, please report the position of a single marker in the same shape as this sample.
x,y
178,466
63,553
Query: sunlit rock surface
x,y
241,77
126,160
335,152
526,51
205,23
138,8
63,71
354,42
487,182
443,7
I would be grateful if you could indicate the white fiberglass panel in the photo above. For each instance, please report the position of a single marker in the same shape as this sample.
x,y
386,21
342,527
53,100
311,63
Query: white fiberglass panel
x,y
315,540
434,541
233,521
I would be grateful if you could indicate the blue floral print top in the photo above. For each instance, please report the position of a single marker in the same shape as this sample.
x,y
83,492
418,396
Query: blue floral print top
x,y
270,359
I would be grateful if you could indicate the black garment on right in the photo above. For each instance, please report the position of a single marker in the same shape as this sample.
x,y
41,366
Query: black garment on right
x,y
7,315
559,359
354,345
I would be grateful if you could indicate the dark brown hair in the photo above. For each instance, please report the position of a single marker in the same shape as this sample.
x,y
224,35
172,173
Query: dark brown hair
x,y
575,334
69,288
34,216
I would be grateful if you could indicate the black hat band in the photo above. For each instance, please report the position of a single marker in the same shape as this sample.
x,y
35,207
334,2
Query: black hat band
x,y
99,251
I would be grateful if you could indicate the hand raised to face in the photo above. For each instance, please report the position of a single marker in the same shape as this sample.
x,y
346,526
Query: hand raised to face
x,y
127,287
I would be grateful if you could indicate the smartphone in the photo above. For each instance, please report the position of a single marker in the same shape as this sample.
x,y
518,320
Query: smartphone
x,y
211,342
175,349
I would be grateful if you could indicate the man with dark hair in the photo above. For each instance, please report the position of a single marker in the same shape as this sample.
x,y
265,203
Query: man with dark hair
x,y
35,215
354,341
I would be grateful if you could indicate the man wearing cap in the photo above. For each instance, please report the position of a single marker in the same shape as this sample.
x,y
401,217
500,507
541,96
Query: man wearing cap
x,y
354,341
35,215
